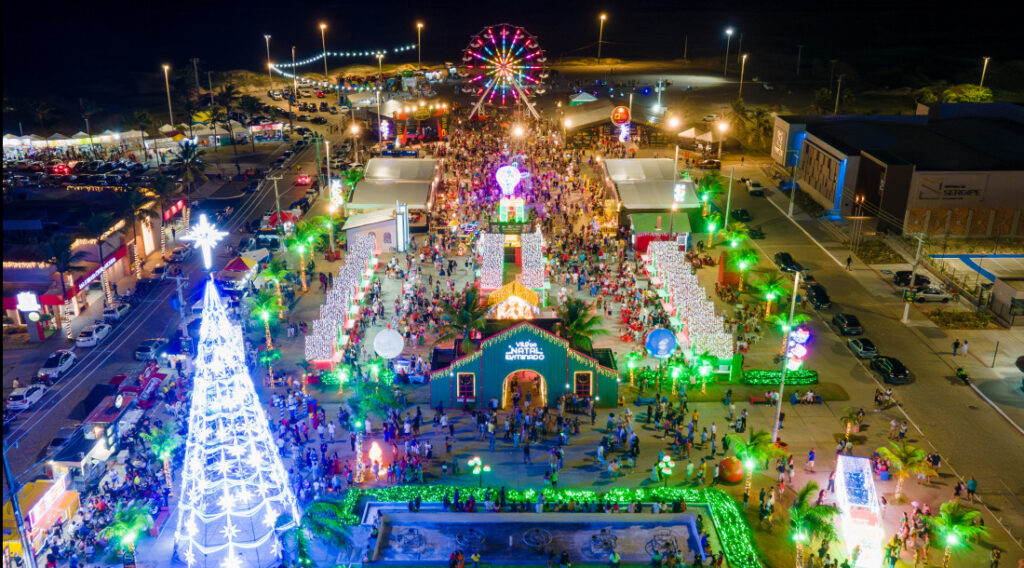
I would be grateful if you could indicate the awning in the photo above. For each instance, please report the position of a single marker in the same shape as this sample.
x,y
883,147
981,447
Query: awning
x,y
286,217
240,264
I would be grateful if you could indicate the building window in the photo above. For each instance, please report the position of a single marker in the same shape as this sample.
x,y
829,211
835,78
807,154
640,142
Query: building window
x,y
583,384
466,386
387,238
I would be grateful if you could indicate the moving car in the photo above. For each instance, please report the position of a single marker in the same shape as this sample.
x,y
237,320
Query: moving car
x,y
818,297
755,188
58,363
91,335
24,398
902,278
786,262
863,347
741,215
932,294
149,349
303,179
116,311
709,164
891,369
848,324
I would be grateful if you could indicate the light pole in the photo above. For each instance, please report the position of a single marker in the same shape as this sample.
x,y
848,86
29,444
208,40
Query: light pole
x,y
270,77
728,38
672,219
167,84
565,125
743,68
913,271
792,183
722,128
799,52
600,37
984,67
27,552
330,223
380,79
419,45
327,162
323,42
839,88
355,138
785,355
739,47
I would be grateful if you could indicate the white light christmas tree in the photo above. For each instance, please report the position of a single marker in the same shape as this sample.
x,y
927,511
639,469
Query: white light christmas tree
x,y
492,251
341,304
234,486
533,260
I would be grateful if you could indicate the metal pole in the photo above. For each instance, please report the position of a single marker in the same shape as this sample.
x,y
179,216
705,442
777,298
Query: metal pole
x,y
799,52
600,39
739,48
743,67
839,88
728,38
994,353
327,159
323,40
792,188
181,307
728,198
913,271
209,81
319,165
686,46
27,554
675,167
195,69
785,356
167,83
984,67
277,196
270,76
419,46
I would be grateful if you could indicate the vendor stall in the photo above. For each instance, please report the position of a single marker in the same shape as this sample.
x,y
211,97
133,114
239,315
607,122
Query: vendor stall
x,y
43,503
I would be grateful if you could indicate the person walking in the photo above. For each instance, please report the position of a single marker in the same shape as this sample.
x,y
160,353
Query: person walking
x,y
972,487
849,261
956,347
963,348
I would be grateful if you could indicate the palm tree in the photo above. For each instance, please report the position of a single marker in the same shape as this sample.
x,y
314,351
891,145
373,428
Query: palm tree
x,y
578,326
461,318
957,525
228,98
251,106
710,188
88,109
756,448
807,520
276,273
63,260
745,260
295,545
162,443
192,167
267,358
771,285
785,324
302,239
264,306
42,111
849,418
142,120
96,225
906,460
128,522
737,232
215,114
711,222
164,189
190,114
325,519
137,203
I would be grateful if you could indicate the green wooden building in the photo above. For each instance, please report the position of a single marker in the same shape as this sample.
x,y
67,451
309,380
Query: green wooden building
x,y
524,358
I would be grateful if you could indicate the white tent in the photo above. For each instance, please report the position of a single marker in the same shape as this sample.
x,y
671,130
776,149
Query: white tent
x,y
706,137
57,136
79,135
688,134
581,98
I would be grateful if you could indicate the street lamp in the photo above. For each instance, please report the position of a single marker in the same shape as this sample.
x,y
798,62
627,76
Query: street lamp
x,y
728,38
355,137
600,37
984,67
722,128
331,208
673,122
419,45
672,219
478,468
743,67
270,77
380,78
167,83
567,123
517,131
323,42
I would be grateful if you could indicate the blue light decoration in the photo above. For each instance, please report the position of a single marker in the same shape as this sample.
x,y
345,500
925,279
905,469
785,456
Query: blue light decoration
x,y
840,178
624,132
660,343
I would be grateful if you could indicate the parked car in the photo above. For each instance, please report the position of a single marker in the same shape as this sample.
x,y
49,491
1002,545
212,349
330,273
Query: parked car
x,y
709,164
891,369
180,253
932,294
863,347
786,262
318,120
786,185
57,364
741,215
91,335
150,349
818,297
252,186
116,311
902,278
332,110
25,398
710,117
58,441
848,324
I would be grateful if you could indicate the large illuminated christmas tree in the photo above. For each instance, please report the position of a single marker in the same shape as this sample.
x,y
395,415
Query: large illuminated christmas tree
x,y
234,487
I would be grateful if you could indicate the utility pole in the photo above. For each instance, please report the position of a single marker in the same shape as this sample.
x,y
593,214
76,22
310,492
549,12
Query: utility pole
x,y
728,198
913,274
984,67
792,187
181,308
319,166
686,45
195,68
739,48
209,80
28,555
839,88
785,355
277,196
799,52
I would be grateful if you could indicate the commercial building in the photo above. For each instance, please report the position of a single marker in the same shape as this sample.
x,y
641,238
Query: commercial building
x,y
388,180
950,169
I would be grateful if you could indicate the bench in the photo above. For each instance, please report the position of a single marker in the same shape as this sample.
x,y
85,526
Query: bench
x,y
758,400
640,401
794,401
158,521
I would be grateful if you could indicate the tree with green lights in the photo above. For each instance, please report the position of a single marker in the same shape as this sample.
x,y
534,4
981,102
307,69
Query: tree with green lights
x,y
323,520
267,358
162,444
784,324
772,286
128,523
736,233
709,188
301,241
957,526
578,325
758,447
712,222
461,318
807,520
263,307
906,460
276,273
849,419
745,260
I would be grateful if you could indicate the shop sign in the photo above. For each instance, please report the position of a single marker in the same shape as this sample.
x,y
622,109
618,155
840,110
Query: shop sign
x,y
524,351
28,302
116,256
173,209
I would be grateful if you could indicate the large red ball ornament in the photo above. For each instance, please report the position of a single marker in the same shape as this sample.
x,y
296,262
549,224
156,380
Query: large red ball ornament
x,y
731,470
620,115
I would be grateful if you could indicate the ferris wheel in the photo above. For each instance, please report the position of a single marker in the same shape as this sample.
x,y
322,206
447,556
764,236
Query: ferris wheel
x,y
504,65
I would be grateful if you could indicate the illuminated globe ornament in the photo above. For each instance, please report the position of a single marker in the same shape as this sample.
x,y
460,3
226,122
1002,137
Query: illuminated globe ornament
x,y
504,65
508,178
620,115
388,343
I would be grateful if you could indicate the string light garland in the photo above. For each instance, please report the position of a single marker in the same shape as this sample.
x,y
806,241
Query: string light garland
x,y
533,260
346,54
234,486
492,251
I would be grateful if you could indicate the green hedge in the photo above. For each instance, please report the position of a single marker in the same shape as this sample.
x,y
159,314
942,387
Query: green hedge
x,y
798,377
733,531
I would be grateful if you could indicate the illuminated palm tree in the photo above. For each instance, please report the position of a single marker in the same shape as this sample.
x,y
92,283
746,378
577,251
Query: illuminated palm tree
x,y
745,260
461,318
785,324
849,418
807,520
736,233
709,188
267,358
906,460
957,525
772,286
302,239
263,307
757,448
162,443
128,522
276,273
712,222
63,260
324,520
578,325
192,173
137,203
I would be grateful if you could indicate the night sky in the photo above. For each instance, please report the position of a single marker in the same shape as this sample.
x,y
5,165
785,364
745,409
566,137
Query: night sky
x,y
62,48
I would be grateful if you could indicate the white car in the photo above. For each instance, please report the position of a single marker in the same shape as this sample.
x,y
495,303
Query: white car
x,y
57,364
768,86
710,117
116,311
91,335
149,349
932,294
23,399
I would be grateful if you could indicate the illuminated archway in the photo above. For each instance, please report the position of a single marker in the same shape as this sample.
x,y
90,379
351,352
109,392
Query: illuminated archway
x,y
529,381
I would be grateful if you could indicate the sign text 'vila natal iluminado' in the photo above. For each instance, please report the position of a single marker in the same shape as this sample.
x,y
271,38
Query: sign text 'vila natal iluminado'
x,y
524,351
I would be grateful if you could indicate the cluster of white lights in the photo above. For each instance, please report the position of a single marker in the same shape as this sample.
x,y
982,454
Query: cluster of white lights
x,y
234,486
366,53
492,251
533,260
705,329
341,306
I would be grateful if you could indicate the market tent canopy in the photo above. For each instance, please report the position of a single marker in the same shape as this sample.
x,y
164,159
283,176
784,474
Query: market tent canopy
x,y
57,136
589,114
369,218
689,133
581,98
240,264
400,169
79,135
658,223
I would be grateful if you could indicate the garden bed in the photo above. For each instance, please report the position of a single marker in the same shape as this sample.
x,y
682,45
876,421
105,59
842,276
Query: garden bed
x,y
878,252
956,319
761,377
